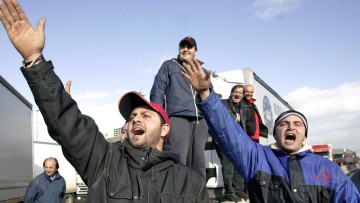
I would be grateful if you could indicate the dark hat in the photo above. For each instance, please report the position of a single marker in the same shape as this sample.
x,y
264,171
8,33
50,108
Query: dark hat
x,y
189,40
288,113
129,101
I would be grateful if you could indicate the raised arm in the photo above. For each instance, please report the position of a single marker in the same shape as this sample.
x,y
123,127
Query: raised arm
x,y
27,41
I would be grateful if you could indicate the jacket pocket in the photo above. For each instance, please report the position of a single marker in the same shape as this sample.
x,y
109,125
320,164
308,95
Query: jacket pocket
x,y
118,190
267,188
171,198
267,182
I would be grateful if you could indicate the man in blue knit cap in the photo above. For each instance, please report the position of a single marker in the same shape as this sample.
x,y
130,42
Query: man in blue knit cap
x,y
286,171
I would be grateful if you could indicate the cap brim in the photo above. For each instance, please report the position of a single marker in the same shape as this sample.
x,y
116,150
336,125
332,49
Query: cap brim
x,y
129,101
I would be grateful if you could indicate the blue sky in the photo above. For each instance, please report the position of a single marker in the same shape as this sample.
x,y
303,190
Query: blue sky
x,y
307,51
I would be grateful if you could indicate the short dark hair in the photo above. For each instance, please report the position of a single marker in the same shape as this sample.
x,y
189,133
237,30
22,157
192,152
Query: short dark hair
x,y
237,86
53,158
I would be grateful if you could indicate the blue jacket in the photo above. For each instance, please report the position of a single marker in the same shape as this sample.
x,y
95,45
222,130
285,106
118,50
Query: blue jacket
x,y
174,92
272,175
42,189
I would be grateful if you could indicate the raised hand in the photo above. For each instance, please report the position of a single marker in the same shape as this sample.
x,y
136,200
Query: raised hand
x,y
199,80
27,41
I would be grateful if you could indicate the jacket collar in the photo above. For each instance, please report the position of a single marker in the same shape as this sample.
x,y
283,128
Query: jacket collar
x,y
56,174
147,158
302,152
178,59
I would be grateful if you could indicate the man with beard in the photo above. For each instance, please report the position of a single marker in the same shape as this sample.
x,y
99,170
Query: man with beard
x,y
118,172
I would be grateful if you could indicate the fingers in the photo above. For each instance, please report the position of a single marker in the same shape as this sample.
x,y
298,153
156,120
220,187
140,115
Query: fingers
x,y
19,10
14,13
4,16
208,75
185,75
197,64
187,63
9,11
67,86
41,24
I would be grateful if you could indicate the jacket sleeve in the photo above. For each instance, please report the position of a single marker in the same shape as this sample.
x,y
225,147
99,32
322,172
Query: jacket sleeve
x,y
234,143
31,192
63,187
161,82
82,143
346,191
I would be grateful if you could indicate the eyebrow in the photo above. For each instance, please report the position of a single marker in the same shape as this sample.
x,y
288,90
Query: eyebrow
x,y
142,112
286,121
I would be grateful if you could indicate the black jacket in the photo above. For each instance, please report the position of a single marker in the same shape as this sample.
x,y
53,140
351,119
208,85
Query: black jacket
x,y
238,112
113,172
250,119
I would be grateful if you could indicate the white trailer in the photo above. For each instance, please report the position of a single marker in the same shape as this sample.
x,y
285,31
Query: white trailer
x,y
268,102
15,143
75,187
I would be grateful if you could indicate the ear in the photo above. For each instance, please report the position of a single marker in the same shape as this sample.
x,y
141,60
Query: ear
x,y
165,130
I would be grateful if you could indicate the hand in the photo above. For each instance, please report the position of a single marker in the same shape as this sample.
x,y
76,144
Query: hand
x,y
27,41
67,86
197,78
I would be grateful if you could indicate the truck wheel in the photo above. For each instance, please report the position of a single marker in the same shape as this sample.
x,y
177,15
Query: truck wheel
x,y
69,198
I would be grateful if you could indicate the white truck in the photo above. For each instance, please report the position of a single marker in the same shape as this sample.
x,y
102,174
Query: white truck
x,y
15,143
75,187
324,150
268,102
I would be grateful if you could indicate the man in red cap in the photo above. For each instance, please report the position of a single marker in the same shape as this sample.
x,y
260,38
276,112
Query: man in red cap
x,y
135,172
188,133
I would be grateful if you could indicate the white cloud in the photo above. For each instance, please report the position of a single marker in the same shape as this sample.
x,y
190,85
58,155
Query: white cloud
x,y
333,114
267,9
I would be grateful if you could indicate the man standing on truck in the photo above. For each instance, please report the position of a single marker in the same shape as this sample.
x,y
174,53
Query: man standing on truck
x,y
254,125
188,133
286,171
48,186
135,172
233,182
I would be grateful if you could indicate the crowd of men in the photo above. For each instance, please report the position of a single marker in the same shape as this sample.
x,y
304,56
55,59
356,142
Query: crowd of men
x,y
161,158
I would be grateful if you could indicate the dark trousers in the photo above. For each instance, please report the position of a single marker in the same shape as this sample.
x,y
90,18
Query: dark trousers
x,y
187,138
233,182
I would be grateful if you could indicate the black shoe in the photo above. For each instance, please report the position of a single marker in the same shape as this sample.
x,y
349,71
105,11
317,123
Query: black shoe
x,y
244,196
232,197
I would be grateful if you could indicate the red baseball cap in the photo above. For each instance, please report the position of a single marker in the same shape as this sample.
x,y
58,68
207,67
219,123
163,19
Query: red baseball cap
x,y
129,101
